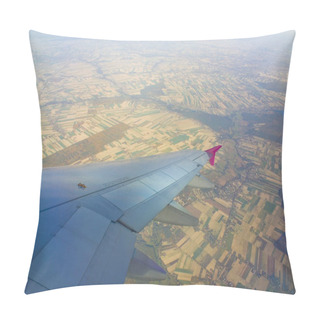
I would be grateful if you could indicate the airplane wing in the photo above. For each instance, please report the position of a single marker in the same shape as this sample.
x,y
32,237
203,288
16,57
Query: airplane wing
x,y
90,216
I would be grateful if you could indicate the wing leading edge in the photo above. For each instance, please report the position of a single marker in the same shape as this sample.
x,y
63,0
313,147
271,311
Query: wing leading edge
x,y
86,234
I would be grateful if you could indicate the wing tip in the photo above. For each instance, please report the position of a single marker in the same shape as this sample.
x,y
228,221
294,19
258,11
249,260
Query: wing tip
x,y
212,152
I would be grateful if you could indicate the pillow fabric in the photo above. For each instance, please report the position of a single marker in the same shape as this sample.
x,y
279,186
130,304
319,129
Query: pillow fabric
x,y
135,188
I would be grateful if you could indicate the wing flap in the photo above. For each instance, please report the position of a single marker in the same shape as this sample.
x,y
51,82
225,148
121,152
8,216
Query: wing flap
x,y
111,260
64,260
143,268
201,182
174,213
50,222
33,287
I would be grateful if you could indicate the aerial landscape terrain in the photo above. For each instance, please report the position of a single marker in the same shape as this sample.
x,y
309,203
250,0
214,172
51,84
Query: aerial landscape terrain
x,y
113,100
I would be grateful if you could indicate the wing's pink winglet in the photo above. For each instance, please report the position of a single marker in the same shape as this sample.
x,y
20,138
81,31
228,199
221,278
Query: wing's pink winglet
x,y
212,152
